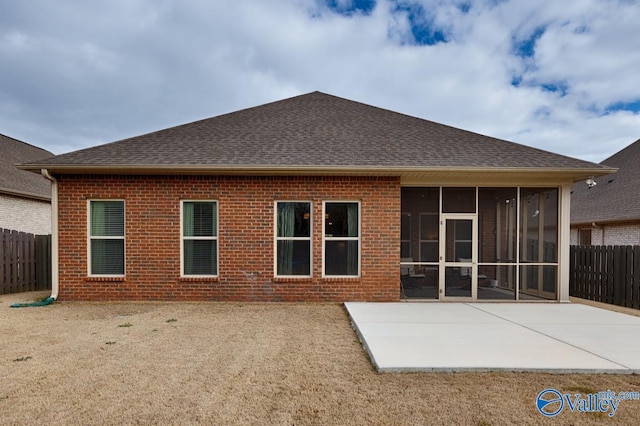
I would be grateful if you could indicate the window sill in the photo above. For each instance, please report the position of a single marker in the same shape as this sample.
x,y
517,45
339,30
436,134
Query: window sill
x,y
292,279
199,279
106,279
345,278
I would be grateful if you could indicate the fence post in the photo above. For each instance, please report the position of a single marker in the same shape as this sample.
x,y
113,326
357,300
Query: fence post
x,y
43,262
618,275
578,265
635,287
30,261
598,272
13,262
582,274
3,260
591,282
572,271
611,271
628,277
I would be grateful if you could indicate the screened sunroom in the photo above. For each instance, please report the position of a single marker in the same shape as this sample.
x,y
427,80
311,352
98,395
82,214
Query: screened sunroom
x,y
480,243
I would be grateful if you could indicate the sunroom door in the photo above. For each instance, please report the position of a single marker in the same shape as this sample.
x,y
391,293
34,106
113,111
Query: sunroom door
x,y
458,257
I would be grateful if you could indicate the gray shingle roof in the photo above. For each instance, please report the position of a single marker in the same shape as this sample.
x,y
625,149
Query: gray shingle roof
x,y
19,182
616,196
315,130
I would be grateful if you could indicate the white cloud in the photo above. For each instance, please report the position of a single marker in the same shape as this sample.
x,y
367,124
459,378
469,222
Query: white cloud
x,y
83,73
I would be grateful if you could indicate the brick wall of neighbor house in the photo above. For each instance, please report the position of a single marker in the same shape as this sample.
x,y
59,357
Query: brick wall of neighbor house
x,y
573,236
611,234
246,238
25,215
597,236
621,234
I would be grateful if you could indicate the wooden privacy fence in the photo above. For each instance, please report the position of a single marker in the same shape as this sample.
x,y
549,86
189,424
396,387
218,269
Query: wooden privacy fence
x,y
25,262
609,274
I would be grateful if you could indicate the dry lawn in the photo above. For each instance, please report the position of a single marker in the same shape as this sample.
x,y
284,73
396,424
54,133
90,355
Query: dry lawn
x,y
233,363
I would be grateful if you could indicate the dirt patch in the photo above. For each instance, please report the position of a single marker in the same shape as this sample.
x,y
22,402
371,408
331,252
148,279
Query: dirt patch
x,y
233,363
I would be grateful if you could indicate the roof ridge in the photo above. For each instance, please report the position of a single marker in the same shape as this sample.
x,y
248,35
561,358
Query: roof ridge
x,y
197,121
26,143
457,129
632,146
316,129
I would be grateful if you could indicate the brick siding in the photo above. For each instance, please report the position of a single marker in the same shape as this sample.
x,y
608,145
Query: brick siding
x,y
611,234
246,238
573,236
621,234
25,215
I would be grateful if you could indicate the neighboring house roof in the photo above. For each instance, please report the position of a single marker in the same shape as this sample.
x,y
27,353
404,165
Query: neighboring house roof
x,y
615,197
317,133
18,182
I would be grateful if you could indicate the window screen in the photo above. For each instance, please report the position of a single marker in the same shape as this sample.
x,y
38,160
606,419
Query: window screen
x,y
106,234
200,238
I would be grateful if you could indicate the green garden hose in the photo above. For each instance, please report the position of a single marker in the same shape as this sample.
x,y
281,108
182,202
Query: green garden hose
x,y
45,302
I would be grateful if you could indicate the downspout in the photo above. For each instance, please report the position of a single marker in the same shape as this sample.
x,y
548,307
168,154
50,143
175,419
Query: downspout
x,y
54,245
54,233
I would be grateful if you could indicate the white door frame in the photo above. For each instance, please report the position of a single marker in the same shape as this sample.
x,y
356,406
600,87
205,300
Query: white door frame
x,y
473,265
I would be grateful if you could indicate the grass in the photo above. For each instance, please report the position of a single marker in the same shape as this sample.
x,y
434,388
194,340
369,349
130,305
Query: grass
x,y
262,364
583,390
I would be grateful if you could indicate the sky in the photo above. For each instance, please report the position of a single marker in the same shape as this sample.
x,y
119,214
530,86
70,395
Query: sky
x,y
562,76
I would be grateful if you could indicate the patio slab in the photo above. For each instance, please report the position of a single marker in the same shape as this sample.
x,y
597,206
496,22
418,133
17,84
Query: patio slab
x,y
550,337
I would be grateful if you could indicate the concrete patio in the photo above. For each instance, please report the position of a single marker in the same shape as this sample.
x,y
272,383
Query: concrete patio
x,y
544,337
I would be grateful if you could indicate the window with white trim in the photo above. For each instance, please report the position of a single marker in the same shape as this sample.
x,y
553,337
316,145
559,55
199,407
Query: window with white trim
x,y
106,238
341,239
199,245
293,238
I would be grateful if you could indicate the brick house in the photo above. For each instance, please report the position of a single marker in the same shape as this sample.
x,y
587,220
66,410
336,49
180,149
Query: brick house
x,y
608,213
312,198
25,198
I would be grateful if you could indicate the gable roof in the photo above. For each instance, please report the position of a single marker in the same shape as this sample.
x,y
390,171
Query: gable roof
x,y
18,182
615,196
316,133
